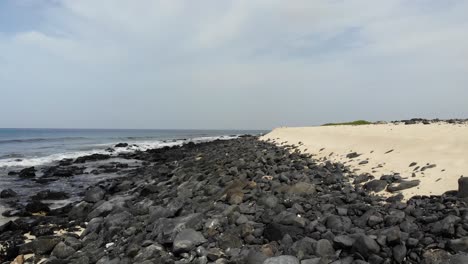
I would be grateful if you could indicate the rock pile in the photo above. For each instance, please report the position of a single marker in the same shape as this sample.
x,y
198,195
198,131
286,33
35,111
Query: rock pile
x,y
424,121
243,201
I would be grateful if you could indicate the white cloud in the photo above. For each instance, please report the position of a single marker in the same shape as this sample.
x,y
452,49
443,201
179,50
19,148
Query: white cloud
x,y
236,63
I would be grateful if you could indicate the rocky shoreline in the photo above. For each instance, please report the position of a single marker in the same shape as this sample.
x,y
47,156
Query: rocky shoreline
x,y
236,201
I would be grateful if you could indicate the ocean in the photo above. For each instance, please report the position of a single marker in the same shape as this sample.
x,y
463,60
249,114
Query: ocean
x,y
22,148
33,147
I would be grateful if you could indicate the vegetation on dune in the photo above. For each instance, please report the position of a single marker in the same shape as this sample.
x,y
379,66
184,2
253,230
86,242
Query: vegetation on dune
x,y
353,123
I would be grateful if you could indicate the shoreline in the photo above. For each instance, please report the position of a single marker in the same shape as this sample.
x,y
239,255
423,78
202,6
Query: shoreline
x,y
239,201
434,154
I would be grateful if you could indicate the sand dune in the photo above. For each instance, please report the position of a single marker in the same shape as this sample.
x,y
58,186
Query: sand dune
x,y
439,150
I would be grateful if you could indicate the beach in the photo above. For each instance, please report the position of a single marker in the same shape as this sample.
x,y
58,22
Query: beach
x,y
437,152
247,199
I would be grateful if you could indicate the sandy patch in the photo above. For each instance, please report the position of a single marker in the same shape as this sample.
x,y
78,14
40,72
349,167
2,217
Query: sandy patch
x,y
440,151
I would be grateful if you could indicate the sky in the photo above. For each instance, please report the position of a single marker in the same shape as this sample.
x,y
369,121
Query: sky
x,y
244,64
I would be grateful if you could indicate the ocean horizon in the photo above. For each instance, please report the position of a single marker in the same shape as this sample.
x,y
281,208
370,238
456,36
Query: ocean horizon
x,y
24,147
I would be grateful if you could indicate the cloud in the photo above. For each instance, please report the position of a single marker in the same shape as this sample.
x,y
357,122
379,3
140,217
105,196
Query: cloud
x,y
234,64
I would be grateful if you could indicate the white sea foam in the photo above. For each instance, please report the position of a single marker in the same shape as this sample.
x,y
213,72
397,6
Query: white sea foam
x,y
100,149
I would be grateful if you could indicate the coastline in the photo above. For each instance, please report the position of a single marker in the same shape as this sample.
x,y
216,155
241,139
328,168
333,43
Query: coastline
x,y
436,154
238,201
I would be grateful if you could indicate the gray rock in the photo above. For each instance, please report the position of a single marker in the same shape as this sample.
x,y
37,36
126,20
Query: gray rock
x,y
459,259
343,241
94,195
282,260
366,246
324,248
40,246
311,261
62,251
403,185
399,253
375,185
187,240
302,188
463,187
270,201
460,244
150,252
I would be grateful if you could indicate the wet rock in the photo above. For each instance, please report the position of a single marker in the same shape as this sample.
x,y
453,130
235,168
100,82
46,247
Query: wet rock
x,y
63,171
37,207
49,195
121,145
93,157
8,193
27,173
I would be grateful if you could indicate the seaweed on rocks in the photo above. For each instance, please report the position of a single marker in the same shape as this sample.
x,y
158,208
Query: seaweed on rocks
x,y
242,201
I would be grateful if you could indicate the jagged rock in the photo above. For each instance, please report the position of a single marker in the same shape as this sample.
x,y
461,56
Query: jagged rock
x,y
187,240
27,173
366,246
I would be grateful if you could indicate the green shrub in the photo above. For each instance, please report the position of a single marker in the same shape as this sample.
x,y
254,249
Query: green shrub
x,y
353,123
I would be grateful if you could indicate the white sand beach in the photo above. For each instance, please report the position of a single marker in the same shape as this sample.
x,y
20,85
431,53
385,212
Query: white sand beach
x,y
390,148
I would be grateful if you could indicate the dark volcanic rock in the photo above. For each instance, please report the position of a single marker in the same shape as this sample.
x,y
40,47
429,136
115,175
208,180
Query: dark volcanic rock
x,y
237,201
93,157
121,145
187,240
375,185
62,251
94,195
37,207
63,171
282,260
366,246
40,246
275,232
49,195
8,193
352,155
463,187
394,187
27,173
